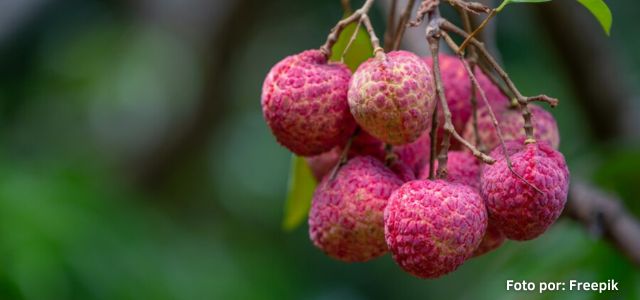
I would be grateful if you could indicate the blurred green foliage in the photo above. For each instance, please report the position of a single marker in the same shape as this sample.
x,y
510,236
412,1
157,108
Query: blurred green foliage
x,y
88,86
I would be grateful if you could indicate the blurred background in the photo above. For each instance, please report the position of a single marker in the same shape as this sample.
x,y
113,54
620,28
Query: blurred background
x,y
135,163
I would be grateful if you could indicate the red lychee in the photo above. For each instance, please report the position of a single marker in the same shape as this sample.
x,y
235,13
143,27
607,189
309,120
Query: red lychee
x,y
346,216
393,98
412,155
492,239
304,101
457,87
432,227
521,212
462,167
545,128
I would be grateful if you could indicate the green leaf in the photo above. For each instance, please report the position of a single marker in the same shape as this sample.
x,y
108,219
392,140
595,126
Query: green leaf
x,y
601,11
598,8
300,191
359,51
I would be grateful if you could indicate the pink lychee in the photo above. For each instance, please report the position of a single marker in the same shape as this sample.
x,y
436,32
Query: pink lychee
x,y
457,86
545,128
432,227
521,212
462,167
412,155
346,216
304,101
492,239
392,98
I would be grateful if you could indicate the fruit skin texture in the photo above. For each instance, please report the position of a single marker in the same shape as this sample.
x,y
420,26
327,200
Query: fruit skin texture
x,y
457,89
545,128
413,155
432,227
304,101
392,98
346,216
462,167
519,211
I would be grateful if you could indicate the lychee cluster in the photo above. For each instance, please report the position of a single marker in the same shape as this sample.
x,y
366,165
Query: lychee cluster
x,y
365,137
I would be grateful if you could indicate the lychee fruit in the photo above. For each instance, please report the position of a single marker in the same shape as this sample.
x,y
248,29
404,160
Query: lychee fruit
x,y
545,128
392,98
432,227
346,216
323,163
413,155
462,167
520,211
492,239
304,101
457,86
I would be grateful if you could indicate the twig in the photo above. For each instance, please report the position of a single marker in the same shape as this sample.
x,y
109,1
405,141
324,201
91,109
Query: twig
x,y
389,34
344,155
496,125
473,59
434,140
402,24
478,30
346,6
359,15
433,35
522,100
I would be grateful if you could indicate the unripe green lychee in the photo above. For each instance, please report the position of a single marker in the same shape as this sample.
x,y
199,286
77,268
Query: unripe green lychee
x,y
519,210
346,216
304,101
432,227
392,98
545,128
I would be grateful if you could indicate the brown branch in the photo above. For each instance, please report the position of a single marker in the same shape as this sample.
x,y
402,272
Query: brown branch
x,y
604,215
359,15
389,34
433,35
402,24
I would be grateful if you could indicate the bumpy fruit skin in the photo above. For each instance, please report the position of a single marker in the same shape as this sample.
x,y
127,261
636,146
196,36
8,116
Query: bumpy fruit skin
x,y
545,128
413,155
432,227
519,211
346,216
457,86
304,101
392,98
462,167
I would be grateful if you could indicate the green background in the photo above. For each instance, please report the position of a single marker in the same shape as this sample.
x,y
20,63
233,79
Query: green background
x,y
92,92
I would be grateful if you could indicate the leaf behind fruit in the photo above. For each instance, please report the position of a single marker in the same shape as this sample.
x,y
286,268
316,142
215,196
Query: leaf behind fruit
x,y
299,193
359,51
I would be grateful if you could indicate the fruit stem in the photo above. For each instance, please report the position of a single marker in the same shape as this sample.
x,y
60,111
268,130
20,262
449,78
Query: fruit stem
x,y
344,155
360,15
